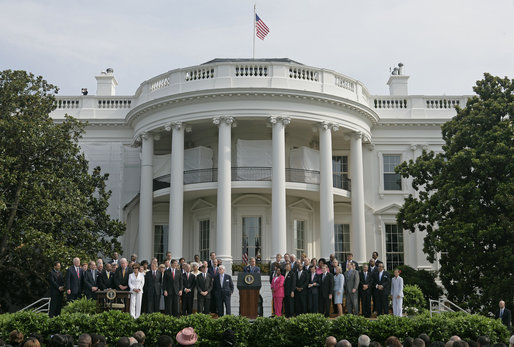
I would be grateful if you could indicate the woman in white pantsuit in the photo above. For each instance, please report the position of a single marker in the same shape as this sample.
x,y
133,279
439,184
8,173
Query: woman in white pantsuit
x,y
397,293
136,283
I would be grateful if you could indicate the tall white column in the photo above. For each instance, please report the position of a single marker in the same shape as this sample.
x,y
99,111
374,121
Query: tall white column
x,y
224,223
145,235
357,193
325,189
176,220
278,187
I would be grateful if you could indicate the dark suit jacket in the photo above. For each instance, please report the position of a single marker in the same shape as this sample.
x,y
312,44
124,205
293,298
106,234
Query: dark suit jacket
x,y
343,266
56,280
119,279
228,286
104,282
89,282
303,280
74,283
153,287
210,268
289,283
188,283
507,317
327,285
204,285
385,281
368,281
173,286
317,281
255,270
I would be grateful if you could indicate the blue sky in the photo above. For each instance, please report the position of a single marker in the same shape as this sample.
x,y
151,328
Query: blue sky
x,y
445,45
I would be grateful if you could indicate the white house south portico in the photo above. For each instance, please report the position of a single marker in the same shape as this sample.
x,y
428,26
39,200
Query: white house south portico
x,y
259,157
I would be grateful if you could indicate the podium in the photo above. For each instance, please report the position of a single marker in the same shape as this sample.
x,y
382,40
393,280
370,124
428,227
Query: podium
x,y
111,299
249,285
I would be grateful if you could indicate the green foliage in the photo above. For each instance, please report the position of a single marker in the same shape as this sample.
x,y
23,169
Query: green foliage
x,y
423,279
413,300
308,329
113,324
51,206
82,305
304,330
269,332
26,322
349,327
464,201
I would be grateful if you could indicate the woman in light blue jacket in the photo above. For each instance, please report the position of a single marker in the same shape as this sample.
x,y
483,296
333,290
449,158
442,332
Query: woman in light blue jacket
x,y
338,290
397,293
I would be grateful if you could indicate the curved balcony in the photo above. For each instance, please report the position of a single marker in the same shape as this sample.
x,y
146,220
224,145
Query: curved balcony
x,y
252,174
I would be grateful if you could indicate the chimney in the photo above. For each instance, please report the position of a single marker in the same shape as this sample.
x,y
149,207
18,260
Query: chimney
x,y
106,83
398,81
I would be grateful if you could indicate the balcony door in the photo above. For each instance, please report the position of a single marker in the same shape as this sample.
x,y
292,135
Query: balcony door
x,y
252,229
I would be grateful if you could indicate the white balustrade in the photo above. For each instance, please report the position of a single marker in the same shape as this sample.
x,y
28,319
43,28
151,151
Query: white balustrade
x,y
199,74
67,103
159,84
251,71
390,103
345,83
114,103
300,73
444,103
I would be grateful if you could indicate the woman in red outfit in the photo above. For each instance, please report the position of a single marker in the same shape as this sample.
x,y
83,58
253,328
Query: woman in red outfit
x,y
277,287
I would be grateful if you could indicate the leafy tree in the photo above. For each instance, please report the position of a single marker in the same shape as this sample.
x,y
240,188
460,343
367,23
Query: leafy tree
x,y
465,201
51,206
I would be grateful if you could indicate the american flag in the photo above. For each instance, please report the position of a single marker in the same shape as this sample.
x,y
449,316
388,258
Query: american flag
x,y
245,253
261,29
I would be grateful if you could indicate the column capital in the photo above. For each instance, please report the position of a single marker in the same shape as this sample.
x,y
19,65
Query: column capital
x,y
328,126
358,135
174,125
279,119
224,119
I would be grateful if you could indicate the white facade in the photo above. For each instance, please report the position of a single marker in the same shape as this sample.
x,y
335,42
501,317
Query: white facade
x,y
260,156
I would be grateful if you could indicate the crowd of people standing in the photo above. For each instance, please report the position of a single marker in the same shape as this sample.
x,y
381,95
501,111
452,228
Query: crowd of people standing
x,y
176,287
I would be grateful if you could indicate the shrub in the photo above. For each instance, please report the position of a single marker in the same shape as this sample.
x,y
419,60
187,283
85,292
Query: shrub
x,y
25,321
424,279
349,327
413,300
269,332
156,324
389,325
82,305
114,324
240,326
308,329
73,324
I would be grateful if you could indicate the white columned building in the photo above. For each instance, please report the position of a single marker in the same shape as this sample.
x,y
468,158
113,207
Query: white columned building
x,y
283,180
358,218
278,188
224,224
326,184
146,199
176,225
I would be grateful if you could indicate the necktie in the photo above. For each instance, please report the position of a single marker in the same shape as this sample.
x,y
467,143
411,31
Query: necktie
x,y
173,272
108,274
380,277
123,273
204,277
324,277
365,276
501,313
187,276
78,272
221,281
153,275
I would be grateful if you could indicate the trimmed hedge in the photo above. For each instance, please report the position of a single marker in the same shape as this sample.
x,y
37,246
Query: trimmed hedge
x,y
304,330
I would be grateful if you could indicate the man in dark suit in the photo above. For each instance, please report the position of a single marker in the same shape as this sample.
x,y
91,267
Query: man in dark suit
x,y
313,297
289,288
152,288
122,275
374,256
204,288
188,282
74,280
365,290
327,288
90,281
105,279
223,289
56,281
300,294
382,287
213,265
172,288
252,268
504,314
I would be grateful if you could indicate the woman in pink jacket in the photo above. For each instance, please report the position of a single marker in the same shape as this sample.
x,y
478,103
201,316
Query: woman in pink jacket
x,y
277,287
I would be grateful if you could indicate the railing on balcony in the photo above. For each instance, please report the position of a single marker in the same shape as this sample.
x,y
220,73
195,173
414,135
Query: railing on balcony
x,y
251,174
302,176
340,181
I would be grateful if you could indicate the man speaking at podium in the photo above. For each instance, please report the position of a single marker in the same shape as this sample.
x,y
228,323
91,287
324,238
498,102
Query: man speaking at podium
x,y
252,268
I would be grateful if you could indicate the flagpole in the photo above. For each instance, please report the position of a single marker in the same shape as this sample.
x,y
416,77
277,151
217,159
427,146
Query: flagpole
x,y
254,14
